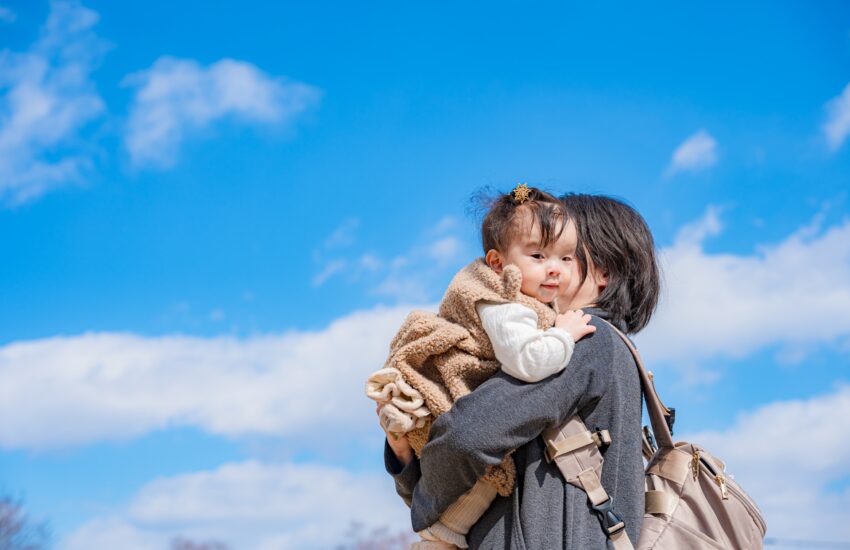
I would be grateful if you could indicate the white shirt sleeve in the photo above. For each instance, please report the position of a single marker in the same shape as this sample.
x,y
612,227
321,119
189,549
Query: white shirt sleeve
x,y
525,351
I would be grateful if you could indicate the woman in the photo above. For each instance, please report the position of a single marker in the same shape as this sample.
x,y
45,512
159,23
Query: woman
x,y
614,276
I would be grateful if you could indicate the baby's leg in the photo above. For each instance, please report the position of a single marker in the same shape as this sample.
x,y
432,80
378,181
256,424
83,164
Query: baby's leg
x,y
432,545
458,519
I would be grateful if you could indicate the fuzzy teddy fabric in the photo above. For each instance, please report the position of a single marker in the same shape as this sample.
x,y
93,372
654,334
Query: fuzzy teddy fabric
x,y
444,357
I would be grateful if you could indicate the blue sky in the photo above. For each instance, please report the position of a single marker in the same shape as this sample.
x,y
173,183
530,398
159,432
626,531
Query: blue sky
x,y
210,215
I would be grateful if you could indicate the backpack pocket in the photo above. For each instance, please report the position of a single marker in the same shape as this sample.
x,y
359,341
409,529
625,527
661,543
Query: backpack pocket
x,y
679,535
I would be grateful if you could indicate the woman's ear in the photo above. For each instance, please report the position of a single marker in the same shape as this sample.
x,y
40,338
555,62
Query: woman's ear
x,y
601,280
495,261
597,277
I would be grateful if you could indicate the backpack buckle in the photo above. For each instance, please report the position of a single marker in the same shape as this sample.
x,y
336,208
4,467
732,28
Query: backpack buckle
x,y
602,438
611,522
671,419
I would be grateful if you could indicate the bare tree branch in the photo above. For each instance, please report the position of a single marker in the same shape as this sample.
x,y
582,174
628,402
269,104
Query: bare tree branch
x,y
181,543
378,538
17,530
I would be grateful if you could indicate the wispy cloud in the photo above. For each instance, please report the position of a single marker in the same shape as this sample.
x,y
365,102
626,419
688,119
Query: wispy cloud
x,y
249,505
837,125
421,271
789,455
444,225
47,100
406,276
731,305
344,235
696,153
178,98
444,250
329,270
7,15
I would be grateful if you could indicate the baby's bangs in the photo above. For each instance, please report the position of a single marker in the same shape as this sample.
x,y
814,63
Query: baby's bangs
x,y
552,219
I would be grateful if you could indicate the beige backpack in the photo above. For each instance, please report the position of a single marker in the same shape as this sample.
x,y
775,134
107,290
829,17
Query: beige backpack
x,y
690,502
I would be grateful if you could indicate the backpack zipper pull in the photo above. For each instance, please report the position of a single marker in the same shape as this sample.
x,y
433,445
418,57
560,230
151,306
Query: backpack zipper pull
x,y
695,464
722,482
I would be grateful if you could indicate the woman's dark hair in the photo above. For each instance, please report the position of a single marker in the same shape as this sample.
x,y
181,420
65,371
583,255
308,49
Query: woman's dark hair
x,y
618,242
498,223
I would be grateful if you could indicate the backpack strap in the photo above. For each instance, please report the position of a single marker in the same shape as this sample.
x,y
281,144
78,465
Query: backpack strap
x,y
660,417
575,450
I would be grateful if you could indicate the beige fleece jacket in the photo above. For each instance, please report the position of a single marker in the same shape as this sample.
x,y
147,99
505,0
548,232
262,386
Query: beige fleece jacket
x,y
446,356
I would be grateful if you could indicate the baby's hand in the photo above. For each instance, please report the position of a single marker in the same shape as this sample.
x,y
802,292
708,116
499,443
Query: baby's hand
x,y
398,443
576,323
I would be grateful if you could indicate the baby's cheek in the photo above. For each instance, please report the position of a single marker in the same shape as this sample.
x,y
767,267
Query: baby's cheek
x,y
525,290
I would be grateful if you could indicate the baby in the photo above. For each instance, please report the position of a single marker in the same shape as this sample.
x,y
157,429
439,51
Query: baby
x,y
496,313
525,229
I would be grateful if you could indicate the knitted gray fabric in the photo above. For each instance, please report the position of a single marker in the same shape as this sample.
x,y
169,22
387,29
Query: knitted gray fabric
x,y
543,513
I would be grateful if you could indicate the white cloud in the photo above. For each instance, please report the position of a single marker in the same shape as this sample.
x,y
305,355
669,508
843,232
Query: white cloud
x,y
837,126
444,250
47,100
696,153
249,505
794,293
7,15
107,386
179,98
788,455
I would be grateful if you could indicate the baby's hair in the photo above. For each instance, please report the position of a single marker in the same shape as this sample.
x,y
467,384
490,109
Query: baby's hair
x,y
501,211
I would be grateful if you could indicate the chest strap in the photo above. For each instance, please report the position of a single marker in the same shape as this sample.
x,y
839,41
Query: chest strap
x,y
575,451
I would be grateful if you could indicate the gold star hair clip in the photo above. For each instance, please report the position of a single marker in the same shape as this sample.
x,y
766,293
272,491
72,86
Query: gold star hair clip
x,y
521,193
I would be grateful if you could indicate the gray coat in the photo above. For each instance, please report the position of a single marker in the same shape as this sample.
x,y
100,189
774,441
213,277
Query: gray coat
x,y
601,383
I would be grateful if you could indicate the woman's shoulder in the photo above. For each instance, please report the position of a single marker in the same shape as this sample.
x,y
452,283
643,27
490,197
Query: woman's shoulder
x,y
605,334
611,350
605,346
603,322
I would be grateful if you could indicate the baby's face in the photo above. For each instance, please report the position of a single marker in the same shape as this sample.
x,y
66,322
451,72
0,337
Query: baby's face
x,y
546,271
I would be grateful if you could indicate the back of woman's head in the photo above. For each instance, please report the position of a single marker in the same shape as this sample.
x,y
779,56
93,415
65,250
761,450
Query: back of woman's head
x,y
617,241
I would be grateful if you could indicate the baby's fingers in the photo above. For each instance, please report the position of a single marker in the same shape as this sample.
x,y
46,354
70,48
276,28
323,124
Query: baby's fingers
x,y
582,331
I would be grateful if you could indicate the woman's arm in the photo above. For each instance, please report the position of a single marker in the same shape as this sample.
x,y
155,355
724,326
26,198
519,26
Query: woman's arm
x,y
401,463
501,415
405,474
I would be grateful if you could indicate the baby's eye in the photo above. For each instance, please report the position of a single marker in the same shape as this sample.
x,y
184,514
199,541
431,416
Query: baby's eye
x,y
537,256
567,259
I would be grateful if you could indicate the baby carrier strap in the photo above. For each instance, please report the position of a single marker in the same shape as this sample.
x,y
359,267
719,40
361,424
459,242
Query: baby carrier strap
x,y
576,452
